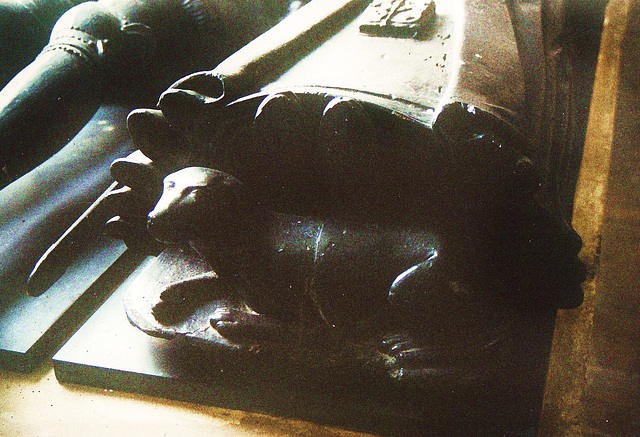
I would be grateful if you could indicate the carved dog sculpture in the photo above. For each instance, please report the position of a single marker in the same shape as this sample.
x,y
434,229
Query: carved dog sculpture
x,y
287,267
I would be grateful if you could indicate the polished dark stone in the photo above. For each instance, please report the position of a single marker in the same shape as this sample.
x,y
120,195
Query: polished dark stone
x,y
108,352
36,210
32,328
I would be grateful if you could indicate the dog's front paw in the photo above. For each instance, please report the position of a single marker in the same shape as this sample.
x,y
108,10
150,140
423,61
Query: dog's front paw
x,y
243,325
178,300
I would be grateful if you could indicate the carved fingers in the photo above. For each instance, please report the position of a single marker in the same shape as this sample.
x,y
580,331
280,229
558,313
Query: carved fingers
x,y
133,200
157,139
162,149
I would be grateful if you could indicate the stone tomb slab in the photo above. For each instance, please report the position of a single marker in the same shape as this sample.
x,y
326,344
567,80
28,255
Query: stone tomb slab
x,y
109,352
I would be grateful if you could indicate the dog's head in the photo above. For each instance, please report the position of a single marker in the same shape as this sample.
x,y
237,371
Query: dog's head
x,y
199,203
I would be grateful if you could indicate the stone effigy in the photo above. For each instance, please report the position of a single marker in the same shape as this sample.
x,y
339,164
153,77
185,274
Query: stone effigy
x,y
100,52
342,196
